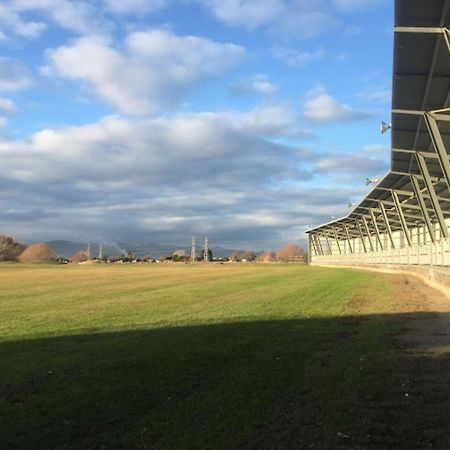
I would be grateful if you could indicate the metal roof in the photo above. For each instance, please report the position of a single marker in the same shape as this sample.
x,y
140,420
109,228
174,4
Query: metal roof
x,y
421,85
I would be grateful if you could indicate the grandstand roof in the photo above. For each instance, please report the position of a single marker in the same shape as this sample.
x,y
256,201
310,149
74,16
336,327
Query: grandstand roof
x,y
420,99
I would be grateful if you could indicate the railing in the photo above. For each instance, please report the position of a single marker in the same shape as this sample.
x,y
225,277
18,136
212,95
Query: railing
x,y
430,254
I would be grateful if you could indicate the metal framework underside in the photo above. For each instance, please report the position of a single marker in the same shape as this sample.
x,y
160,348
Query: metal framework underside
x,y
408,211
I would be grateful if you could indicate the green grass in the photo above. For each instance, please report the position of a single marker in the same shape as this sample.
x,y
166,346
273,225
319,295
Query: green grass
x,y
222,357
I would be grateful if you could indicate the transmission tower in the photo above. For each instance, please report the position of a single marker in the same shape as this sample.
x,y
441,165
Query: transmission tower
x,y
88,251
193,251
100,250
206,251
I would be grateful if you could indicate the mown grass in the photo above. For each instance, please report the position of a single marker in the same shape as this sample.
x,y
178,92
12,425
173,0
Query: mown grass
x,y
235,356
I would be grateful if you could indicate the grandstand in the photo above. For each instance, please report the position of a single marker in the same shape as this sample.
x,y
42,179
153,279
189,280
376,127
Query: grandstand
x,y
405,218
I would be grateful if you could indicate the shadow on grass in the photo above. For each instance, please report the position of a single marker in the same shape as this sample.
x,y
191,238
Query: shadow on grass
x,y
307,383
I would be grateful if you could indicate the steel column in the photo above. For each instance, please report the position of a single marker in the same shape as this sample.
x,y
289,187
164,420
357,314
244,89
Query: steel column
x,y
337,240
432,193
311,239
377,231
369,238
398,207
358,225
330,251
386,223
344,226
439,146
319,244
421,201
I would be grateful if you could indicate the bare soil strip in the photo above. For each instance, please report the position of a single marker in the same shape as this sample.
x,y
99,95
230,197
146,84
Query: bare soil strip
x,y
414,412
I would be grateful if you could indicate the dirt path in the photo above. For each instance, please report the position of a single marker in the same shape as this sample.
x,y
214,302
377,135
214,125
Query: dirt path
x,y
429,330
414,411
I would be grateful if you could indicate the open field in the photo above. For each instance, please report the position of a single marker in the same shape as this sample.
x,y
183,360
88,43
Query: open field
x,y
218,357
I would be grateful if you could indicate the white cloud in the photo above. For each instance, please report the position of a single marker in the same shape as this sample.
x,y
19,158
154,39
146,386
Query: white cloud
x,y
262,85
134,6
149,73
259,84
299,18
246,13
323,108
169,174
7,107
305,18
79,16
14,76
294,57
356,5
213,173
11,20
383,95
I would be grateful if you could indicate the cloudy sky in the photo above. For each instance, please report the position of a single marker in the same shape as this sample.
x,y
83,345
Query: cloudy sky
x,y
152,120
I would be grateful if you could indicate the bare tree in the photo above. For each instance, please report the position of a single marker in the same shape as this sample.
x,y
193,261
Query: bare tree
x,y
37,253
291,253
267,257
9,248
80,256
248,256
235,256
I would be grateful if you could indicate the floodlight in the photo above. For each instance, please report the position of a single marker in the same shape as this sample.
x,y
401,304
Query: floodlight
x,y
385,126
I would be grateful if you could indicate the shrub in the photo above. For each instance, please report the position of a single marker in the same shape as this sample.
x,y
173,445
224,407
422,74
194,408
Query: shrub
x,y
37,253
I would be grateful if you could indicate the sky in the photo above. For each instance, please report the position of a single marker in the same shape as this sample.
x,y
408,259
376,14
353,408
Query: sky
x,y
247,121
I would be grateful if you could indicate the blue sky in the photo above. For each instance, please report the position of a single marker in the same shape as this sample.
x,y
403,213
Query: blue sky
x,y
152,120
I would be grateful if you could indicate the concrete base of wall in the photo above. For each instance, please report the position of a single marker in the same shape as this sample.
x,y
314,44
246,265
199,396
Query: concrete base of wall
x,y
435,277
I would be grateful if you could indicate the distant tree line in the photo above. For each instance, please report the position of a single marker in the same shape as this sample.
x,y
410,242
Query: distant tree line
x,y
12,250
288,253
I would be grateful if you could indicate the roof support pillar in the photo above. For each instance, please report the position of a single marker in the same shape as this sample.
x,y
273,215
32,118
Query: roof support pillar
x,y
439,146
319,244
375,225
432,193
337,240
329,250
361,235
313,244
398,207
421,201
386,223
344,226
369,238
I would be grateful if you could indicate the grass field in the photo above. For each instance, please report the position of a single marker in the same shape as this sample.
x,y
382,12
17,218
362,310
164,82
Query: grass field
x,y
204,357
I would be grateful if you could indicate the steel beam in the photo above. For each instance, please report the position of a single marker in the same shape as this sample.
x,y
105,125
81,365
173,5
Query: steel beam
x,y
311,240
337,240
439,146
421,201
405,150
361,235
407,174
319,244
344,226
398,207
369,238
386,223
427,30
432,193
386,202
330,251
377,230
